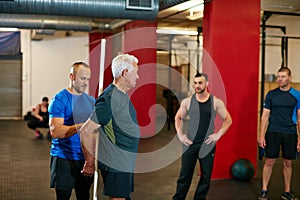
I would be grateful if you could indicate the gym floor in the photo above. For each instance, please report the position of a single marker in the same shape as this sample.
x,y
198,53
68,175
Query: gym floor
x,y
25,171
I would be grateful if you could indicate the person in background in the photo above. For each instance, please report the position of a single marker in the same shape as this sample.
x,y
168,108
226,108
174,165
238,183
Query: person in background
x,y
40,118
278,130
119,131
68,110
200,140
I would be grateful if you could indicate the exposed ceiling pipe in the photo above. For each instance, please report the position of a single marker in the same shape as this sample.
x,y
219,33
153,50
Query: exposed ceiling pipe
x,y
62,23
115,9
118,23
68,23
164,4
51,22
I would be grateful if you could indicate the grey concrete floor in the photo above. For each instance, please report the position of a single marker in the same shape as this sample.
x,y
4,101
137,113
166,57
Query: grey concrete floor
x,y
24,171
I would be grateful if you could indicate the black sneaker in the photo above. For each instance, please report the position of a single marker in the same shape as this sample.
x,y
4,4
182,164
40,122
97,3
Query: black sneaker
x,y
49,135
263,195
288,196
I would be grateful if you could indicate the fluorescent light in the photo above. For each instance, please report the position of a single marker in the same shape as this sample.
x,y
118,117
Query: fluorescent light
x,y
199,8
193,16
196,12
191,4
9,29
176,32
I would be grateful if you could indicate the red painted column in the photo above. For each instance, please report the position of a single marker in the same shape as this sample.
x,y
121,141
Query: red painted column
x,y
231,38
140,41
94,61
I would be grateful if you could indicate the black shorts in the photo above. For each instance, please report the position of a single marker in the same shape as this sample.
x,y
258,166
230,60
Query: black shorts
x,y
287,142
65,174
117,184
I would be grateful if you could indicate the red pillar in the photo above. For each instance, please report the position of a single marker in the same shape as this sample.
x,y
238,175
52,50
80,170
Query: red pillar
x,y
140,41
94,61
231,37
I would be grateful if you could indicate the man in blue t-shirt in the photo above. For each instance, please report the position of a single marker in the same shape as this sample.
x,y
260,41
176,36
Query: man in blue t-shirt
x,y
119,131
279,120
68,110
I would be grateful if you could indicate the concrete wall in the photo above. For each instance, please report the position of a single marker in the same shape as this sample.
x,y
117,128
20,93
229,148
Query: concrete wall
x,y
46,65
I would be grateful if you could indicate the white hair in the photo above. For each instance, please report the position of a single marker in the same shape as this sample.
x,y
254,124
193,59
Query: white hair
x,y
121,62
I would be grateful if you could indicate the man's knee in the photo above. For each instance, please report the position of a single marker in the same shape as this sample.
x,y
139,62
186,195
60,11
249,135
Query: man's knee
x,y
270,162
287,163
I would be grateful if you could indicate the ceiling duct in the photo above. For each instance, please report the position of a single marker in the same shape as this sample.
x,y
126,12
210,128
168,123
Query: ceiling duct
x,y
164,4
51,22
40,13
115,9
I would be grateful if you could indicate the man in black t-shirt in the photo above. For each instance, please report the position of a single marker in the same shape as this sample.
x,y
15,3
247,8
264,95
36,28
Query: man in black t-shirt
x,y
279,129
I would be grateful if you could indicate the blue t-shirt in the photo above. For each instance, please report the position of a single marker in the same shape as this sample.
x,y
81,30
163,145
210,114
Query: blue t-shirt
x,y
74,109
283,106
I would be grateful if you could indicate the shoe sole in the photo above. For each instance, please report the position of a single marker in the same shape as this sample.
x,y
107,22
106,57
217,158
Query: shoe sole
x,y
284,198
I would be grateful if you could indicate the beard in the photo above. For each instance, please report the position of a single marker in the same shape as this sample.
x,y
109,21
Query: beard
x,y
199,91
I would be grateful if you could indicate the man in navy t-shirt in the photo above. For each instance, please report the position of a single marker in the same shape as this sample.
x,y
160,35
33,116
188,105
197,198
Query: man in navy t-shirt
x,y
119,131
281,115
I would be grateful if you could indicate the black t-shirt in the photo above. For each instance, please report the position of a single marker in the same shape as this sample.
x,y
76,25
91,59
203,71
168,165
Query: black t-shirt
x,y
205,117
283,106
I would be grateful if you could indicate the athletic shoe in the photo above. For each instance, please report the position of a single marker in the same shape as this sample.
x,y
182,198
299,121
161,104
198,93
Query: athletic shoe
x,y
288,196
49,135
263,195
38,135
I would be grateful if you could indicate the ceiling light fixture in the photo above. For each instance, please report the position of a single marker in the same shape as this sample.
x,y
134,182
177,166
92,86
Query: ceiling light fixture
x,y
9,29
190,4
196,12
175,32
194,16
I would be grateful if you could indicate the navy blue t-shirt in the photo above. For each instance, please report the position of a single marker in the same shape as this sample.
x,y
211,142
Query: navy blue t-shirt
x,y
118,143
283,106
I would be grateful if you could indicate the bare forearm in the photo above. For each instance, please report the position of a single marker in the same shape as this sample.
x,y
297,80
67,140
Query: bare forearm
x,y
88,143
263,128
225,127
89,151
88,135
213,138
179,126
63,131
226,124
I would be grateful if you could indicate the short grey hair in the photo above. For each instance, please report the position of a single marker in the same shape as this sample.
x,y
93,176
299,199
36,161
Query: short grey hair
x,y
121,62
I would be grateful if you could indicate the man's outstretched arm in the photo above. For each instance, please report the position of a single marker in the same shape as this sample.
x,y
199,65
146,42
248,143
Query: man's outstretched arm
x,y
88,142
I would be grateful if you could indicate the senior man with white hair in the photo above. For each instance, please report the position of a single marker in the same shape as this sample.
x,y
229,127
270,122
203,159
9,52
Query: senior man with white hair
x,y
115,118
